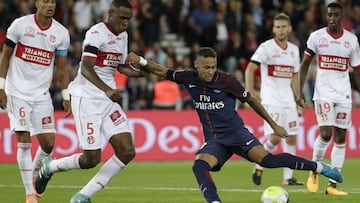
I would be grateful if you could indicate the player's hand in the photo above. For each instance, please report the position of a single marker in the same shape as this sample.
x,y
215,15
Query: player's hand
x,y
114,95
280,131
3,99
132,58
67,108
301,100
300,110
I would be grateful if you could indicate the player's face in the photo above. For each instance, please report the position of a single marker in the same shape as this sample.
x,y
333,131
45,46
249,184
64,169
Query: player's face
x,y
281,29
119,18
334,17
206,67
46,7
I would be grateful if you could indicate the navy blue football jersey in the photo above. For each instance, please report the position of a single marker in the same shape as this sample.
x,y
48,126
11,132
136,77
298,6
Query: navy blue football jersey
x,y
214,101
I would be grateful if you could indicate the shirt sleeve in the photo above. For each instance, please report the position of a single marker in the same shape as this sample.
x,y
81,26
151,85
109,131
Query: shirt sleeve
x,y
13,31
260,54
234,87
311,45
92,38
355,55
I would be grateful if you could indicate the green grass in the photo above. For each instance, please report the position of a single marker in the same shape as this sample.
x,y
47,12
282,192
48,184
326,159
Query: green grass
x,y
173,182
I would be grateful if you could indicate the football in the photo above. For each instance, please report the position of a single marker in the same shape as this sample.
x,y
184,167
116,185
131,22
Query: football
x,y
275,194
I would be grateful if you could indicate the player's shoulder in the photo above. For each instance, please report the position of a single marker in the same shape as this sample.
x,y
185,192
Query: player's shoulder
x,y
293,46
225,77
267,43
350,35
61,28
24,20
320,31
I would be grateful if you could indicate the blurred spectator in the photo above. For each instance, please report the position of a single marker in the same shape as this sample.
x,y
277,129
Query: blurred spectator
x,y
152,13
156,53
201,18
234,53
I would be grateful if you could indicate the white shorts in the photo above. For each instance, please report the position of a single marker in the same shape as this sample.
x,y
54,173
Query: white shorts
x,y
36,117
333,114
287,117
94,118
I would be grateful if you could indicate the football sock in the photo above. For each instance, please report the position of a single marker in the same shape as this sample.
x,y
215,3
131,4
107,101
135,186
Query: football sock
x,y
290,149
319,149
102,178
288,160
207,186
40,154
268,146
66,163
338,156
25,166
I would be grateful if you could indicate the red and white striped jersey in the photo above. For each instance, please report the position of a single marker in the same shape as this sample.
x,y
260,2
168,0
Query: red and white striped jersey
x,y
334,57
277,66
112,51
32,64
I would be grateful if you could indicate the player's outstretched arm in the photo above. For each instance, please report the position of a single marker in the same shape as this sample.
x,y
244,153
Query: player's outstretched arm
x,y
304,68
147,64
4,67
249,79
62,76
132,71
258,107
357,77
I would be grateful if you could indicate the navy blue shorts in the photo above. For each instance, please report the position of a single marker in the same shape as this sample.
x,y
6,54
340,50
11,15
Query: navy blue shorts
x,y
223,147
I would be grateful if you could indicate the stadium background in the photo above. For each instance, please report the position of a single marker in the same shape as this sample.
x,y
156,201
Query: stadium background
x,y
166,31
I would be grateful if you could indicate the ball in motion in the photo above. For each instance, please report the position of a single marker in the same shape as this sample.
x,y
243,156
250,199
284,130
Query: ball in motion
x,y
275,194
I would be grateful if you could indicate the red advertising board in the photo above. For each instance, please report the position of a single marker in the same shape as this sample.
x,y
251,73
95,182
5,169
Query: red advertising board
x,y
171,135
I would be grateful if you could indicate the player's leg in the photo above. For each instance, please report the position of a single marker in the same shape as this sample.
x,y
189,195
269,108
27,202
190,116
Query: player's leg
x,y
210,157
290,148
291,124
117,132
276,114
342,122
269,146
325,117
43,122
268,160
19,115
124,152
88,129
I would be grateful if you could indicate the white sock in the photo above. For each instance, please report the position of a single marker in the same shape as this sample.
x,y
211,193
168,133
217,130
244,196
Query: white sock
x,y
288,172
65,164
40,154
320,147
337,157
25,165
102,178
268,146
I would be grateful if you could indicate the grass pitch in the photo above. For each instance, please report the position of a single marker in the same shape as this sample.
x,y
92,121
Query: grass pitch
x,y
173,182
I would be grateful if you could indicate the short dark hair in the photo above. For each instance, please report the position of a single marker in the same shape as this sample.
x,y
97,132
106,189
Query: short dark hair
x,y
335,5
121,3
207,52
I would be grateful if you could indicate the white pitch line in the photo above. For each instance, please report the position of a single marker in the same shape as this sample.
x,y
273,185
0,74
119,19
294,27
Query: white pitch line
x,y
351,190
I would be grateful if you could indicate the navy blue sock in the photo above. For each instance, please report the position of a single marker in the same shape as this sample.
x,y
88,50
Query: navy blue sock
x,y
207,186
288,160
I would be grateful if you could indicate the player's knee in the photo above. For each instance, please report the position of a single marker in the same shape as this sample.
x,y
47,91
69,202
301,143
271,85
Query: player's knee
x,y
47,147
126,155
87,161
200,165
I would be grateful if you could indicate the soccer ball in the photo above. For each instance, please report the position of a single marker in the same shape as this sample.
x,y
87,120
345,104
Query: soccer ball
x,y
275,194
